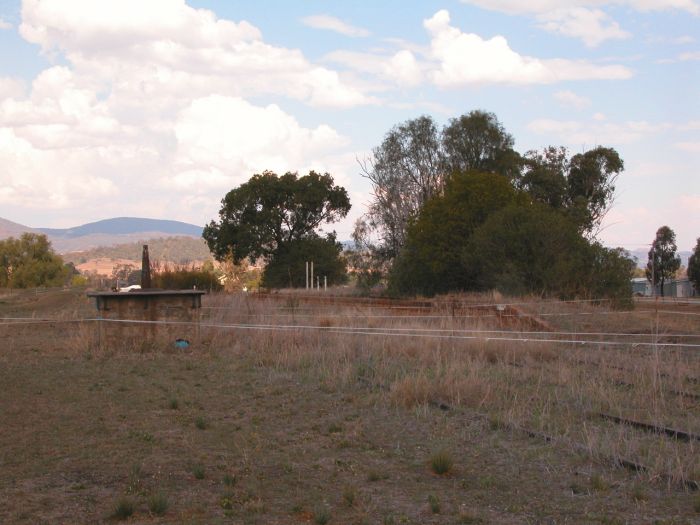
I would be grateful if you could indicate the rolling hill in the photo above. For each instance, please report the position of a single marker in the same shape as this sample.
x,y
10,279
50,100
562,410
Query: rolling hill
x,y
108,232
125,226
13,229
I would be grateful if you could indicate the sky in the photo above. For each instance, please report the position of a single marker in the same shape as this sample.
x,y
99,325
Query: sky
x,y
158,108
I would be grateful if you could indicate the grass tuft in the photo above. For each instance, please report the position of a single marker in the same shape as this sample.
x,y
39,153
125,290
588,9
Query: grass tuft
x,y
200,423
639,493
230,480
123,509
322,515
434,503
375,475
349,496
198,471
158,503
696,504
441,462
598,483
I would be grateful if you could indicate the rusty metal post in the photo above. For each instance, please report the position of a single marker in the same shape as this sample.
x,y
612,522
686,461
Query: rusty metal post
x,y
145,269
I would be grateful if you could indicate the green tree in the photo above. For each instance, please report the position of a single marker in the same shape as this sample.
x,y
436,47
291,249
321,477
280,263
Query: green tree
x,y
609,274
663,261
544,176
591,186
430,262
524,249
415,161
694,267
582,186
272,217
287,269
533,249
406,170
29,262
478,141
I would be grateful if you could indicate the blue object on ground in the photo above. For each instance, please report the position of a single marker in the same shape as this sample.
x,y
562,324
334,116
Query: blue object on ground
x,y
181,343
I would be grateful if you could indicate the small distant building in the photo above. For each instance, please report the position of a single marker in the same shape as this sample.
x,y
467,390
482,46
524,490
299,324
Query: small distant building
x,y
641,287
681,288
673,288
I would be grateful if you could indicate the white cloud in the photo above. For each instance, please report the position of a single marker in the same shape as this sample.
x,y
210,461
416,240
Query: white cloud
x,y
542,6
597,131
211,135
164,48
691,55
692,147
583,19
332,23
466,58
49,178
684,39
571,99
148,114
401,68
4,24
11,88
592,26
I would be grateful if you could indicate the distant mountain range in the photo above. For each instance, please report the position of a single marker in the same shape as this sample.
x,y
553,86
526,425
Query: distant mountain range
x,y
642,257
108,232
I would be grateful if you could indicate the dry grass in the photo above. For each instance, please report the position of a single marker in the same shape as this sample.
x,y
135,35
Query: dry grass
x,y
298,410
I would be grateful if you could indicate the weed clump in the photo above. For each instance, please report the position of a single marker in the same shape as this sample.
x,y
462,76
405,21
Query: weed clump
x,y
639,494
123,509
598,483
198,471
375,475
158,503
200,423
441,462
349,496
334,428
322,515
434,503
230,480
227,500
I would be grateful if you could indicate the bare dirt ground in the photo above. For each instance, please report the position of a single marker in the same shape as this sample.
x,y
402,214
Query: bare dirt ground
x,y
309,412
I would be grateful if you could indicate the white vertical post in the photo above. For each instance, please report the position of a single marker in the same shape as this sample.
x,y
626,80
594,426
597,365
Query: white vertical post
x,y
306,274
312,275
325,283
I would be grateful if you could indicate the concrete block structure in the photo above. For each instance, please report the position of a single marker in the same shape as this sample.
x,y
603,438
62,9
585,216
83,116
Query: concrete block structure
x,y
146,317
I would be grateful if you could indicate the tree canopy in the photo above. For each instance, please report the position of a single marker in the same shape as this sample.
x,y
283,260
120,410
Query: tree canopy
x,y
478,141
29,262
276,218
482,235
694,267
416,160
581,186
269,211
287,268
431,260
663,261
